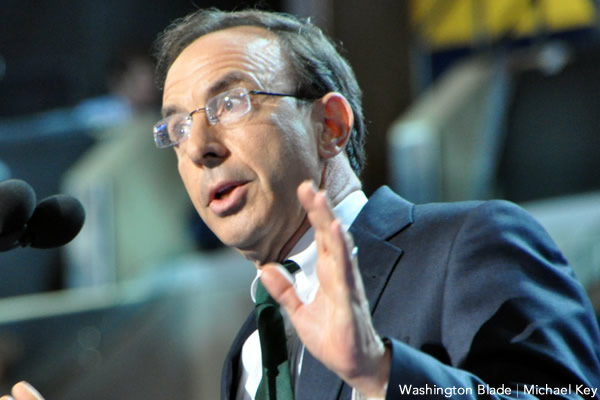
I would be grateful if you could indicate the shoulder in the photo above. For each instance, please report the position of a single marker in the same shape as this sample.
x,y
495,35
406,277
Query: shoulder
x,y
385,202
490,228
386,208
480,218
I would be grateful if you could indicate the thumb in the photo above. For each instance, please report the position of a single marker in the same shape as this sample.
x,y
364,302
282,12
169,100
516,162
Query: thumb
x,y
24,391
279,283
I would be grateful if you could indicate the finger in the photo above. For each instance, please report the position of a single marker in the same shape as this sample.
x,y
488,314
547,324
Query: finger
x,y
350,254
279,283
315,203
6,397
306,193
319,214
329,236
24,391
340,245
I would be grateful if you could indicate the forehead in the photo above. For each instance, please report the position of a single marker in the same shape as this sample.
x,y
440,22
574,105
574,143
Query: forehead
x,y
250,53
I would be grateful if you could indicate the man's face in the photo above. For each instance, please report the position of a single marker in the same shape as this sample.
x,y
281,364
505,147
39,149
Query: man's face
x,y
242,177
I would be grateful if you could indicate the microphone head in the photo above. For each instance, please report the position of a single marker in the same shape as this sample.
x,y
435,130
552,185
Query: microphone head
x,y
17,202
55,221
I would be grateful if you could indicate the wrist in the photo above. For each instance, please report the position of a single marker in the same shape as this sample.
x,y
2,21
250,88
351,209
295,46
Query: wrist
x,y
374,385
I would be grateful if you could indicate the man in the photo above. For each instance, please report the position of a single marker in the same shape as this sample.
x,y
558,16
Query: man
x,y
392,300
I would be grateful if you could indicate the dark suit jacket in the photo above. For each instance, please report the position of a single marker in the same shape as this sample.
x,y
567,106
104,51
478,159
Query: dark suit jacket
x,y
469,294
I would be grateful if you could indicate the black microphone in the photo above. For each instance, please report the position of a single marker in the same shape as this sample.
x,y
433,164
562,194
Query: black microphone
x,y
17,202
55,221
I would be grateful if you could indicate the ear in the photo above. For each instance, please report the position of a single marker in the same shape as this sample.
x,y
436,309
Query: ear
x,y
337,119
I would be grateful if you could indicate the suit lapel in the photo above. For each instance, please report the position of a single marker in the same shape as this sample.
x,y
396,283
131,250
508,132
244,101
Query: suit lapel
x,y
378,264
232,361
384,215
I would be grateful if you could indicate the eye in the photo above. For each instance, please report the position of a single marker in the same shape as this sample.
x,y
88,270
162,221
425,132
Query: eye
x,y
228,106
172,130
179,128
228,103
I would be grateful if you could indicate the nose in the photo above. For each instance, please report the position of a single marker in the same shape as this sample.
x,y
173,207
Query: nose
x,y
205,146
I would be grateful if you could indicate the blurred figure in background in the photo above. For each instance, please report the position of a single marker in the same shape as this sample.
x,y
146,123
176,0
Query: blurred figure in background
x,y
131,93
137,211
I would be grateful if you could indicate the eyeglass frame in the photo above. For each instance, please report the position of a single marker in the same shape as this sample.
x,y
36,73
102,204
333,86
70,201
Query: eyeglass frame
x,y
160,129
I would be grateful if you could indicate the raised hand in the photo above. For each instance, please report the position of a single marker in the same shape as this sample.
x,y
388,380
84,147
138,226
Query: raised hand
x,y
336,327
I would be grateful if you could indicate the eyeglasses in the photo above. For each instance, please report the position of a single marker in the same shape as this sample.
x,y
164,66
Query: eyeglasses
x,y
225,108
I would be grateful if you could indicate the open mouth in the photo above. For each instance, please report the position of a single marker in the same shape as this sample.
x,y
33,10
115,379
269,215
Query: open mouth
x,y
228,199
224,192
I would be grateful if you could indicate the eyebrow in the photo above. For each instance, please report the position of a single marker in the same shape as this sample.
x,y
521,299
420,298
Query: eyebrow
x,y
224,83
167,111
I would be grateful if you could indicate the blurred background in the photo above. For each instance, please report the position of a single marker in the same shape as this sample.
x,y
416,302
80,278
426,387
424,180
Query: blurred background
x,y
465,99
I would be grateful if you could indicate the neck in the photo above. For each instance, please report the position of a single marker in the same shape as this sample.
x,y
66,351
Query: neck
x,y
338,180
287,248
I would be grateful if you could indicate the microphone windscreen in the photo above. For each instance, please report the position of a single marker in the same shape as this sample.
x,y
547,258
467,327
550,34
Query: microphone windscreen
x,y
17,202
55,221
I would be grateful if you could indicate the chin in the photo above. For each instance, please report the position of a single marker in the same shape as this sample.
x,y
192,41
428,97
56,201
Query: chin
x,y
250,246
232,236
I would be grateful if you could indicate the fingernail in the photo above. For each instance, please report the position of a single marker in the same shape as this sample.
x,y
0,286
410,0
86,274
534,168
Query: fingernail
x,y
31,389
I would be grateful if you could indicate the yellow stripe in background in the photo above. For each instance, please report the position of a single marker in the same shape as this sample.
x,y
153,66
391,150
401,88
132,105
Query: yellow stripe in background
x,y
449,23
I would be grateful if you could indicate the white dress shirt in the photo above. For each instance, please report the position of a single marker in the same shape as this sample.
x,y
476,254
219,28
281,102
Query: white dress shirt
x,y
306,283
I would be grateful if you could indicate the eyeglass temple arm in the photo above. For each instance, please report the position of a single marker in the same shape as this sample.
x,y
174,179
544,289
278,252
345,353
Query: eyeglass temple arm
x,y
280,94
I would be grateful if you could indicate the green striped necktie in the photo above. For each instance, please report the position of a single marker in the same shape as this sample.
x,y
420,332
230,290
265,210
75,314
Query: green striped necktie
x,y
276,383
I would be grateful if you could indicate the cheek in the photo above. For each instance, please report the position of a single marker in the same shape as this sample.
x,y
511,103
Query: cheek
x,y
303,160
281,164
181,168
298,147
188,178
260,151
